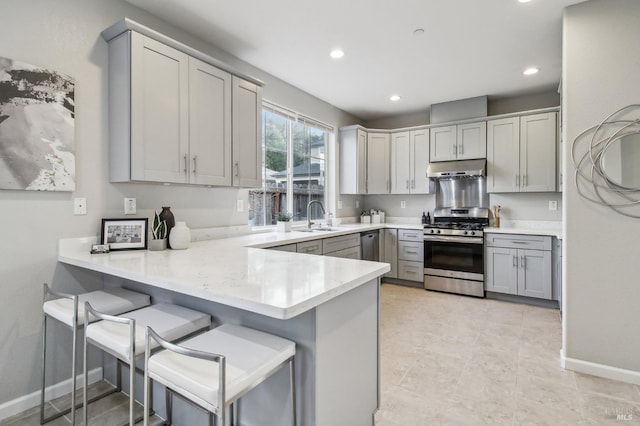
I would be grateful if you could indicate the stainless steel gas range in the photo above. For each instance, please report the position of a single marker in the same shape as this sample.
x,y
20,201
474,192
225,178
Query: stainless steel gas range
x,y
454,251
454,242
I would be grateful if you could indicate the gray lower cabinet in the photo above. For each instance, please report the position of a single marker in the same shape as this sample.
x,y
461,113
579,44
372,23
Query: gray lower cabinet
x,y
519,265
310,247
286,247
389,251
343,246
411,255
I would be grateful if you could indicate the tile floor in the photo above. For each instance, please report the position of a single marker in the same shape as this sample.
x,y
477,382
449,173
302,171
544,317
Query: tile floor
x,y
457,360
110,411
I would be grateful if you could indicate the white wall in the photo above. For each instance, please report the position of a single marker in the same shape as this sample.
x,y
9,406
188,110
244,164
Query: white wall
x,y
64,35
602,285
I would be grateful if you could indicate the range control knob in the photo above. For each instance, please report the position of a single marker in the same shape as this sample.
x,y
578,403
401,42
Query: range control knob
x,y
438,231
465,233
472,233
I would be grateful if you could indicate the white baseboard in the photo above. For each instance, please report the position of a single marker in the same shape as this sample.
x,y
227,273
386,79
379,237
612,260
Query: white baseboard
x,y
23,403
600,370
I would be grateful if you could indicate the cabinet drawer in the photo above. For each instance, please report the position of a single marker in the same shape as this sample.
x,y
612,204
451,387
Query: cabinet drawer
x,y
348,253
310,247
339,243
412,271
411,251
534,242
286,247
411,235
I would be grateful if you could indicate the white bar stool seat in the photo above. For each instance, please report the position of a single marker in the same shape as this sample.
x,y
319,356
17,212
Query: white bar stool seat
x,y
65,310
124,336
216,368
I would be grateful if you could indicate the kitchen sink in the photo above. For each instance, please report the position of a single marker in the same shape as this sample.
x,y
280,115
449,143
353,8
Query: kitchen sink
x,y
325,229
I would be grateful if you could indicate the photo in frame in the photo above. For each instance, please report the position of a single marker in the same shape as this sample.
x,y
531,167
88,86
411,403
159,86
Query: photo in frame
x,y
125,234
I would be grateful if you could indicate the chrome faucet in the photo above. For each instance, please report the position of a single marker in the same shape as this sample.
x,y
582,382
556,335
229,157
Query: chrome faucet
x,y
312,202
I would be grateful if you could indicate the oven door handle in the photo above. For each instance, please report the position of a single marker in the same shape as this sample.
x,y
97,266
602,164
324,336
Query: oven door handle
x,y
451,239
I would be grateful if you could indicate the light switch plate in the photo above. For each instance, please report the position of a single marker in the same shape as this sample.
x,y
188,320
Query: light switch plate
x,y
403,204
130,206
357,204
79,206
553,205
240,205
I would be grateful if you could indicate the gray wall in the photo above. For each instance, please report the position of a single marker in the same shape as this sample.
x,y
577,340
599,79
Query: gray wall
x,y
601,74
65,36
496,105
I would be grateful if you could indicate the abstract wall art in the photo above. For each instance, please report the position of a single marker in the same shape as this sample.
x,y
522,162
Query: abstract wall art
x,y
37,114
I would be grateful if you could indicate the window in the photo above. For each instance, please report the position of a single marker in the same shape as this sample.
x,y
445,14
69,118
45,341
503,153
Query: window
x,y
293,167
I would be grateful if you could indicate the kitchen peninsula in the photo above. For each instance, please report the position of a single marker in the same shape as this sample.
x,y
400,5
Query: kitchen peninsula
x,y
328,306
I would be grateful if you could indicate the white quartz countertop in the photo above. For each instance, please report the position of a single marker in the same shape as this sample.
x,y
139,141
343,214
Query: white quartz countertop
x,y
236,272
532,227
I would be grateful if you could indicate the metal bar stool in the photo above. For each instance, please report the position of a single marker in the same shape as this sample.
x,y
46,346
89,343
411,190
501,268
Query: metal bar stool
x,y
214,369
63,307
123,336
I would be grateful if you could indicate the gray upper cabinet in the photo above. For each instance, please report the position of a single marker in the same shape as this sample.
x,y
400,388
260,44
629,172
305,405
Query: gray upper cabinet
x,y
409,162
378,163
364,161
247,133
458,142
170,117
209,124
521,153
353,160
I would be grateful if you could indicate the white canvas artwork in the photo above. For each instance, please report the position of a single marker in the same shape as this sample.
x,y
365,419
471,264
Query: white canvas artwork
x,y
37,113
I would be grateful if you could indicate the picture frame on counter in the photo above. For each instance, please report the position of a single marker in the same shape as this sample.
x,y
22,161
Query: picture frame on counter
x,y
125,234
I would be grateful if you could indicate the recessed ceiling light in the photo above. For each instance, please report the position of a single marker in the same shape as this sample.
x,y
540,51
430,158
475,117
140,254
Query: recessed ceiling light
x,y
531,71
394,98
524,1
337,53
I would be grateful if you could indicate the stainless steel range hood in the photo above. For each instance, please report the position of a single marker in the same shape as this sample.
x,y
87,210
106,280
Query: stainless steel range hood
x,y
447,169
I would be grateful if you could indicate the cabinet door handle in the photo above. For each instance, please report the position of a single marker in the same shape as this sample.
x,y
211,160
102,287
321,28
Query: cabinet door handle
x,y
185,163
460,149
194,164
517,180
407,184
413,184
524,180
237,167
454,150
522,262
515,261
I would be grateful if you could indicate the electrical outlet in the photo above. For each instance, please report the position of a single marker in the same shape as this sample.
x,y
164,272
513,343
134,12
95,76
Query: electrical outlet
x,y
357,204
553,205
240,205
79,206
403,204
130,206
339,204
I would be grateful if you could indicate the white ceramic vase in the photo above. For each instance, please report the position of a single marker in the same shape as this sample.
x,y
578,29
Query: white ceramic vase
x,y
284,226
180,236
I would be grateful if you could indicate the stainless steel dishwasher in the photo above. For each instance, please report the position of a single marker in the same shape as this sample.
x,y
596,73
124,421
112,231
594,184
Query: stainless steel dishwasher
x,y
369,243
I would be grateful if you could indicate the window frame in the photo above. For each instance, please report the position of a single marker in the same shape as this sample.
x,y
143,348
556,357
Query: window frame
x,y
294,118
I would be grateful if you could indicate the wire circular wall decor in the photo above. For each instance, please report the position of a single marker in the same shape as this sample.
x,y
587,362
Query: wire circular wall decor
x,y
606,158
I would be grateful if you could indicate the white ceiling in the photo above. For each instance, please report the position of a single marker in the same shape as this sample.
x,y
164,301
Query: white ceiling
x,y
469,47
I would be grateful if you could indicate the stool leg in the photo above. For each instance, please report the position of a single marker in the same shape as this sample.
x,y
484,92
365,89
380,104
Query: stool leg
x,y
292,376
85,396
132,372
44,364
73,369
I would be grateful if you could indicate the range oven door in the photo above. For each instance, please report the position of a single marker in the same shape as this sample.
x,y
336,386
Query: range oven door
x,y
454,264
